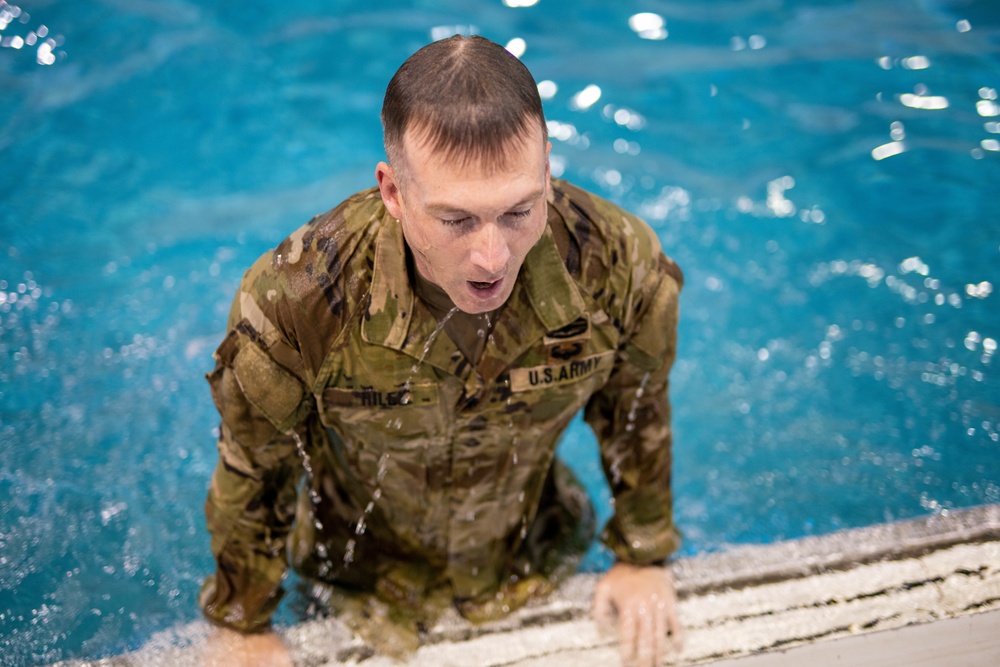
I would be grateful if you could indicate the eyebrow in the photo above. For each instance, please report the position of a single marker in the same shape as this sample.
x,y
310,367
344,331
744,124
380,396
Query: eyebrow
x,y
444,209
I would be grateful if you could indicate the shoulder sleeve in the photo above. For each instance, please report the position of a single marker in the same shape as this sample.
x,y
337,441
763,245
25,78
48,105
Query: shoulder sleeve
x,y
291,308
631,414
251,500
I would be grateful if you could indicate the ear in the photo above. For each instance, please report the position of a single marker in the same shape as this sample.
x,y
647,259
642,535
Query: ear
x,y
548,170
388,185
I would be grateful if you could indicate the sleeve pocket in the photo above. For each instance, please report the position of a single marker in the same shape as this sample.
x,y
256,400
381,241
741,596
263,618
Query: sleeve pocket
x,y
269,387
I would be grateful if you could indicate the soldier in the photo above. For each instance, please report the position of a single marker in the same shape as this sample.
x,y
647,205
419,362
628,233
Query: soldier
x,y
412,357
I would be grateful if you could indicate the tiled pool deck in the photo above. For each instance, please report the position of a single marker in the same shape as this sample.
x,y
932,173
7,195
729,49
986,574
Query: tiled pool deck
x,y
923,592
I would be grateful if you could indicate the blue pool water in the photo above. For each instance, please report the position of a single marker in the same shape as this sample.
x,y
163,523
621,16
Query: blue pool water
x,y
824,171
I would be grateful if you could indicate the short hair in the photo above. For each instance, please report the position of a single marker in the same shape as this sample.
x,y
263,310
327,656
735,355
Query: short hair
x,y
469,97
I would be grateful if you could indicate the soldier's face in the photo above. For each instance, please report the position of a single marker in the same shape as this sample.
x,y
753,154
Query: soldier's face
x,y
470,226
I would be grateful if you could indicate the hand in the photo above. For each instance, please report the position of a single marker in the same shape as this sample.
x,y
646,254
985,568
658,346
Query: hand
x,y
228,648
644,600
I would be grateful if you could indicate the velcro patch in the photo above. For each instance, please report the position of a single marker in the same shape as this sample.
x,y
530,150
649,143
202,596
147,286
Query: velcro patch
x,y
271,388
538,377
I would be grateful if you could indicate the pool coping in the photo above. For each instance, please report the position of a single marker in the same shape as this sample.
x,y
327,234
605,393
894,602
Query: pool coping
x,y
741,601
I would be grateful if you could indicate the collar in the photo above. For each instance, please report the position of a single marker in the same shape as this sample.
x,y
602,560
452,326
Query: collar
x,y
395,318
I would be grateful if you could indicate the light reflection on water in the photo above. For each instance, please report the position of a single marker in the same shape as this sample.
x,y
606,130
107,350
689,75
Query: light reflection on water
x,y
823,172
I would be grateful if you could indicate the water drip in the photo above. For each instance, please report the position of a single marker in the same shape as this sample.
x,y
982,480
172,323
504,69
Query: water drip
x,y
630,425
301,447
383,464
616,473
423,355
349,552
307,466
433,337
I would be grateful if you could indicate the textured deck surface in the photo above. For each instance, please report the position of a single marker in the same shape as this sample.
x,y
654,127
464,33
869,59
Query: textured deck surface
x,y
858,597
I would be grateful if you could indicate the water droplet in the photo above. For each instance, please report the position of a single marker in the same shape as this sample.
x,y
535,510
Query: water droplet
x,y
616,473
360,528
349,552
383,464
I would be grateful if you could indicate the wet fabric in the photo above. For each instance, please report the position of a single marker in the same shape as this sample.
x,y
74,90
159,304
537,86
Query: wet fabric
x,y
422,472
469,331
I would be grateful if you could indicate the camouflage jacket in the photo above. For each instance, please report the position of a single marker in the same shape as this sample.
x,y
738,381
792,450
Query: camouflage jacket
x,y
334,370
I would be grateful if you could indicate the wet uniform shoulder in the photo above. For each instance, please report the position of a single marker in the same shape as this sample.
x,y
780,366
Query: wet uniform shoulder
x,y
606,248
311,283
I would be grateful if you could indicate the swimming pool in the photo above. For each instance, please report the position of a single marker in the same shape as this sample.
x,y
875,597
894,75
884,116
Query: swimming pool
x,y
825,173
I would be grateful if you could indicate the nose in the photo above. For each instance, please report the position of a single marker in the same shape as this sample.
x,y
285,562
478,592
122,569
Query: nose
x,y
490,252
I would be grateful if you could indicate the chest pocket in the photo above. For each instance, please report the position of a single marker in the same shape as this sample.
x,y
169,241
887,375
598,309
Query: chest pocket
x,y
385,437
372,413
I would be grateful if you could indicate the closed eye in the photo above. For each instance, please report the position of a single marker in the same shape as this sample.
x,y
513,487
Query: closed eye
x,y
455,222
517,215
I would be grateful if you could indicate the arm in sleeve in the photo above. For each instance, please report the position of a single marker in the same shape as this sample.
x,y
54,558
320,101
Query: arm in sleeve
x,y
631,418
251,499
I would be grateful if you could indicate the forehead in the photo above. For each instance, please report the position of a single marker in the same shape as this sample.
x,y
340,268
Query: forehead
x,y
424,151
441,182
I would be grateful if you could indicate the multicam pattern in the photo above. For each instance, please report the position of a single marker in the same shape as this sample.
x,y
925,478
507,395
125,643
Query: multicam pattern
x,y
423,472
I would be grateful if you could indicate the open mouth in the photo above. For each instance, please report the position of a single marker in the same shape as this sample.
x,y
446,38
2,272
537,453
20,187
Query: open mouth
x,y
483,286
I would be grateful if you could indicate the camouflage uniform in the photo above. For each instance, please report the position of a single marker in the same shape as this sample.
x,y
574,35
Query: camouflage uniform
x,y
421,470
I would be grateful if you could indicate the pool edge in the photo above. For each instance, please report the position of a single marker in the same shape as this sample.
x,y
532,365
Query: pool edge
x,y
746,600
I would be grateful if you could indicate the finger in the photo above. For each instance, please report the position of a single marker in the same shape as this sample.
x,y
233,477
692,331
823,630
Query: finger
x,y
675,626
601,610
661,625
627,629
645,641
673,622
